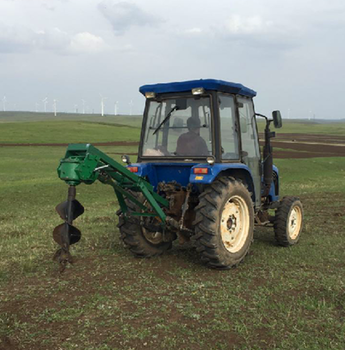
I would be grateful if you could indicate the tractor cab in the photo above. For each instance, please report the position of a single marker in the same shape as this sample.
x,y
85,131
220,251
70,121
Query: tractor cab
x,y
221,114
202,121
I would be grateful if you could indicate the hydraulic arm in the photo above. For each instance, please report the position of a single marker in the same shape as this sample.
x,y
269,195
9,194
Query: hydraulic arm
x,y
84,163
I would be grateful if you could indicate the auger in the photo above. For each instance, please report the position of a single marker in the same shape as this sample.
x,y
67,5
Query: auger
x,y
66,234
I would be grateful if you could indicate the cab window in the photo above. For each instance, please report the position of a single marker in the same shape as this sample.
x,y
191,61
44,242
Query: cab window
x,y
229,138
248,128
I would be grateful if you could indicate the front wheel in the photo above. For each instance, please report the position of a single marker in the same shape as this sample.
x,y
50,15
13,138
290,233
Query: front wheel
x,y
288,221
224,223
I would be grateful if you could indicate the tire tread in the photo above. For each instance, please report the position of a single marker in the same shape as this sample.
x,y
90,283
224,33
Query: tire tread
x,y
280,221
207,215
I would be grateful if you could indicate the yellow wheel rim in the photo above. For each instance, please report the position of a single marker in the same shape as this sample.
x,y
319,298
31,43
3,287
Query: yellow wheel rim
x,y
234,224
294,222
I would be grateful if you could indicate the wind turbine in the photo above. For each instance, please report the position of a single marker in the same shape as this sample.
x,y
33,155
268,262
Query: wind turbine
x,y
45,102
83,106
102,104
76,108
37,105
115,107
130,107
54,106
4,100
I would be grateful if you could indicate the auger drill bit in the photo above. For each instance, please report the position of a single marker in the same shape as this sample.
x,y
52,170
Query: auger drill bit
x,y
66,234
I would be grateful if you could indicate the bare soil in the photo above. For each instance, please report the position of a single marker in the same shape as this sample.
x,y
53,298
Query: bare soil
x,y
289,145
307,145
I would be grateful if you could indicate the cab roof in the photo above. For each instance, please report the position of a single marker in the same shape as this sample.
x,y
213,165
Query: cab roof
x,y
207,84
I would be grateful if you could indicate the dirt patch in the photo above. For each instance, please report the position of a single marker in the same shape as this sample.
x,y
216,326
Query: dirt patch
x,y
328,139
7,344
281,154
337,151
307,145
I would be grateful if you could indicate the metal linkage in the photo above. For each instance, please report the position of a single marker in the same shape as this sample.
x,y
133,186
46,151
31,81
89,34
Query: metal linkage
x,y
84,163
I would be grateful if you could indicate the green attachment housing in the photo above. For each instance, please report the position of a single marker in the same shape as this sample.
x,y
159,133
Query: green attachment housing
x,y
84,163
74,170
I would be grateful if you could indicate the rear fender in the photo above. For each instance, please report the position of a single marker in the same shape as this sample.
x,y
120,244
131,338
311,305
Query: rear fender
x,y
236,170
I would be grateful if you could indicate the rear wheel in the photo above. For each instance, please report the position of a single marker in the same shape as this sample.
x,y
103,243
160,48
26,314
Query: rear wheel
x,y
288,222
224,223
141,241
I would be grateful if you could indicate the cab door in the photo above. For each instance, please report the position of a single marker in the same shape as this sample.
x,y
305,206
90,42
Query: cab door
x,y
250,142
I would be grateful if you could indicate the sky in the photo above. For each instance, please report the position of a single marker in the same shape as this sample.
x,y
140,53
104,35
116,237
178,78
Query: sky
x,y
290,52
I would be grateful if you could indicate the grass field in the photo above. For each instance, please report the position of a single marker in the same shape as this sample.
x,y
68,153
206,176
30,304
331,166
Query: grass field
x,y
278,298
18,117
289,126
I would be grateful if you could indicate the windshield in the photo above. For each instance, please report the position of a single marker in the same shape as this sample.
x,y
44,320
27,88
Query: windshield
x,y
178,127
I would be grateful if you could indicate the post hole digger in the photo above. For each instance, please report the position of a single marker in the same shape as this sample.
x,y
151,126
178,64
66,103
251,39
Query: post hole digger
x,y
66,234
199,176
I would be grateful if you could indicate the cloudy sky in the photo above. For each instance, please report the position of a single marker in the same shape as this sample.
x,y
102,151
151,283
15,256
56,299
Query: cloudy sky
x,y
290,52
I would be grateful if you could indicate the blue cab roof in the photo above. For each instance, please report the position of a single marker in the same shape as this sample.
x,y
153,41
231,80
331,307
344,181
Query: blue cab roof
x,y
207,84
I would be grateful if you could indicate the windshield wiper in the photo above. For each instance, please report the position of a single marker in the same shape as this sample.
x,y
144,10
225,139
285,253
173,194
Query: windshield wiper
x,y
166,118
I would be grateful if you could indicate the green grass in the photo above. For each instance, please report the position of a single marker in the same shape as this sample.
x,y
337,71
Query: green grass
x,y
20,117
314,175
66,132
278,298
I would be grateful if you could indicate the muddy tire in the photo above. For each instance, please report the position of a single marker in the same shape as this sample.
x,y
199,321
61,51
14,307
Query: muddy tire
x,y
141,242
288,222
224,223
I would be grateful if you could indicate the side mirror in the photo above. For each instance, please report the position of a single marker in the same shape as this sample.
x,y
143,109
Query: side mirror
x,y
277,119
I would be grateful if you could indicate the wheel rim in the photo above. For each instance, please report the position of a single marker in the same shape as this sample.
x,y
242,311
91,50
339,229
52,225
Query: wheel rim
x,y
294,222
152,237
234,224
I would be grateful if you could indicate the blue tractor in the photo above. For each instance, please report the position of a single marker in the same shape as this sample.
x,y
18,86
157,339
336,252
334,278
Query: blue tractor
x,y
199,176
